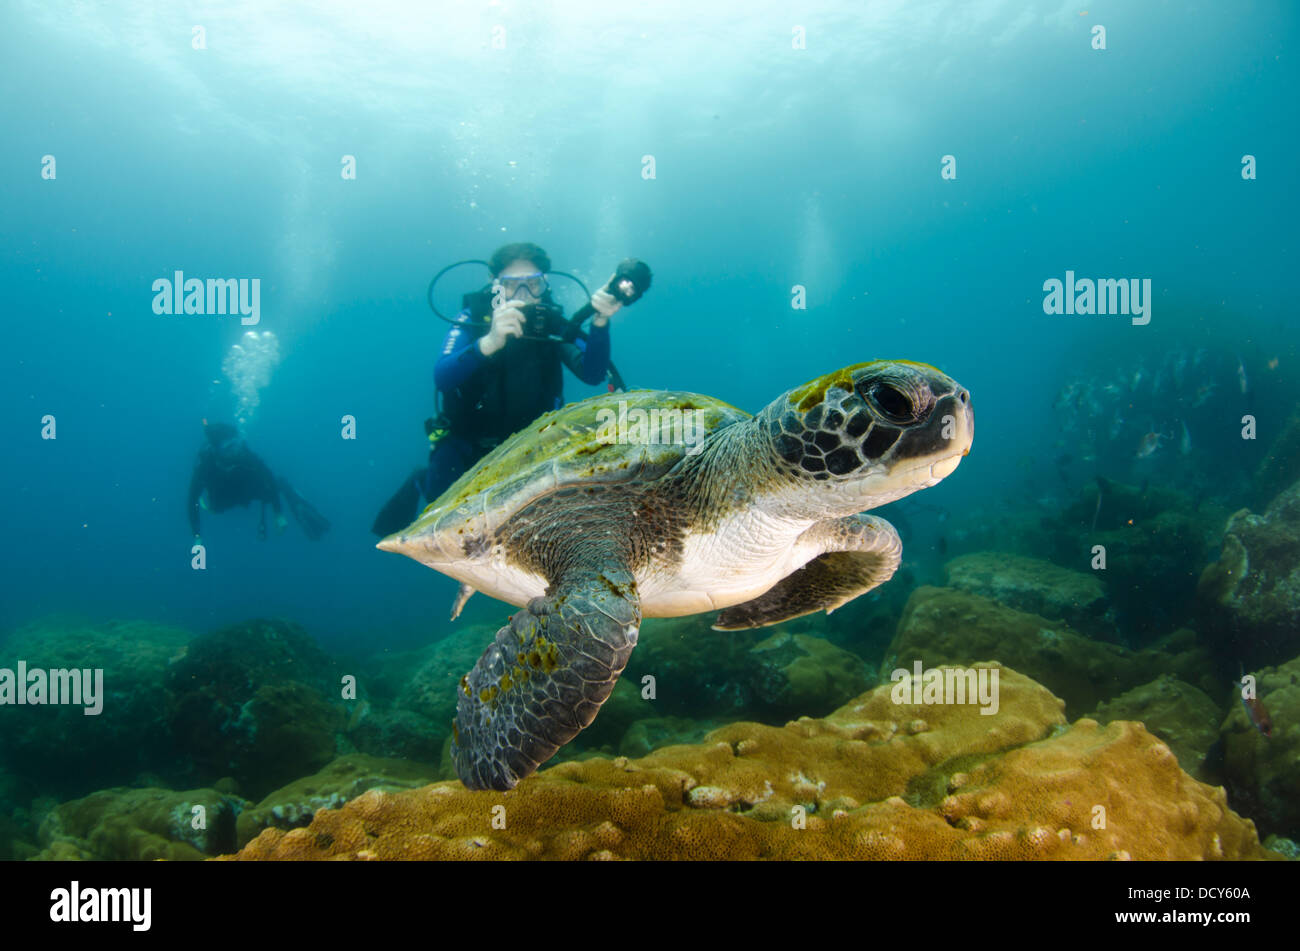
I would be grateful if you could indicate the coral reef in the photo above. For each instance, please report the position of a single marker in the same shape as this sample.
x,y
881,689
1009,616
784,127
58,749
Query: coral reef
x,y
59,749
1281,466
1037,587
256,701
1262,773
141,824
430,691
875,779
342,780
397,734
1156,540
699,672
1285,847
1251,595
947,626
769,675
14,844
1176,712
645,736
796,674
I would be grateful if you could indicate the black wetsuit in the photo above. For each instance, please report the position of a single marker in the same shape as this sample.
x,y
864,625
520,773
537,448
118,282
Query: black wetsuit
x,y
488,399
231,474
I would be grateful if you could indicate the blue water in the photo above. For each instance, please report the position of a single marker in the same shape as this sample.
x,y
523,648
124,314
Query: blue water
x,y
774,167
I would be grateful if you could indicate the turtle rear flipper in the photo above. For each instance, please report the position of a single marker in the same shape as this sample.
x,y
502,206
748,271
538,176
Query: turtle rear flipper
x,y
864,551
544,677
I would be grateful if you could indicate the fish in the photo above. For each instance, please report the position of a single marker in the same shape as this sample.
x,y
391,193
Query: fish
x,y
1185,444
1102,485
359,713
1203,393
1256,712
1258,715
1242,379
1149,445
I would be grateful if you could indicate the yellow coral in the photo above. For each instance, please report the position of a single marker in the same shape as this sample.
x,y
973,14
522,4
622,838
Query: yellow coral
x,y
859,784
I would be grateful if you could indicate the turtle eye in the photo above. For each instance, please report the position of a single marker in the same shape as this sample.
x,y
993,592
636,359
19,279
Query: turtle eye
x,y
895,405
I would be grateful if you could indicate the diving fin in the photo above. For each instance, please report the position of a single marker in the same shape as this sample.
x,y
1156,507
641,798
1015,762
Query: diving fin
x,y
401,510
312,523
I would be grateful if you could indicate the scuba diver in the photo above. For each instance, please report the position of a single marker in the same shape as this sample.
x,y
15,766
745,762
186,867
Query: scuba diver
x,y
227,473
501,365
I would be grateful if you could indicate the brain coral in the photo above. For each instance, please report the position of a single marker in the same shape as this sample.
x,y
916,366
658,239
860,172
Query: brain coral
x,y
875,779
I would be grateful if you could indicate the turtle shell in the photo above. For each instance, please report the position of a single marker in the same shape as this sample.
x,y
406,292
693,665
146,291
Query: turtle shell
x,y
607,439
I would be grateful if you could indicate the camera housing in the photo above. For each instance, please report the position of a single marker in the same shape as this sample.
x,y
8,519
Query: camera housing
x,y
540,319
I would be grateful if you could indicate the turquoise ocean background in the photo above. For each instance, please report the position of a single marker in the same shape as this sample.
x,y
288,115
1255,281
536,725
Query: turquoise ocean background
x,y
774,166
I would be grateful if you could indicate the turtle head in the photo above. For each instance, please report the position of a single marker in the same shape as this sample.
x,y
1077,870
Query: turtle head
x,y
868,434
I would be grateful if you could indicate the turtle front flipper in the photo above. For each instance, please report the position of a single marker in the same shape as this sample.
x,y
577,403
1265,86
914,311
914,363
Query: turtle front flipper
x,y
861,552
544,677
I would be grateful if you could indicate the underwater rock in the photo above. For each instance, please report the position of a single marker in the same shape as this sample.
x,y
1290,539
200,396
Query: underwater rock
x,y
141,825
697,671
398,734
1262,773
645,736
255,701
431,690
1280,468
866,624
1038,587
342,780
14,844
1175,712
795,674
1156,540
1286,847
62,751
873,780
1251,595
948,626
771,674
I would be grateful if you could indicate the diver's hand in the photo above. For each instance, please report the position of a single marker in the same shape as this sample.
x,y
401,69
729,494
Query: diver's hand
x,y
507,322
281,523
606,304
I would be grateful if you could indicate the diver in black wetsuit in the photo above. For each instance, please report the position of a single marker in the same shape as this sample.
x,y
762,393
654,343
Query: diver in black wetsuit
x,y
227,473
501,367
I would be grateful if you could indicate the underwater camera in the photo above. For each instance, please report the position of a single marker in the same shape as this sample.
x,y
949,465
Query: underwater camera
x,y
542,321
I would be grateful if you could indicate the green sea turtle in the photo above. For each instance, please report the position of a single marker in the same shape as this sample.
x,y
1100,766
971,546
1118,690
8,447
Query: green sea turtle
x,y
662,504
